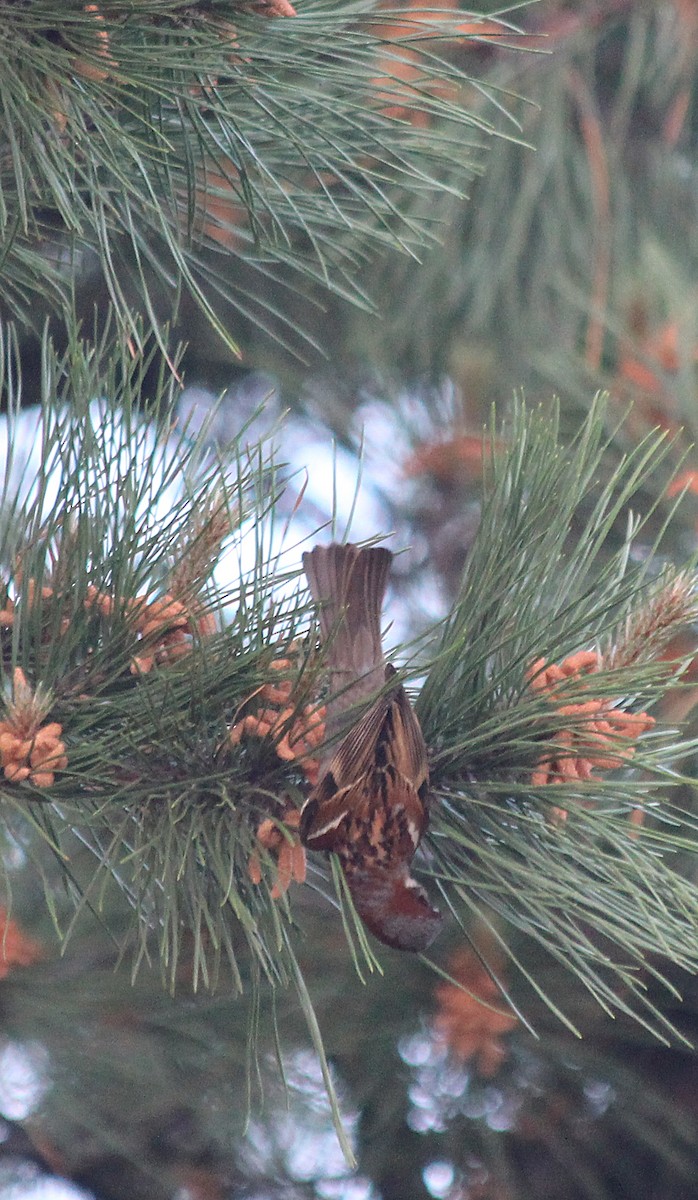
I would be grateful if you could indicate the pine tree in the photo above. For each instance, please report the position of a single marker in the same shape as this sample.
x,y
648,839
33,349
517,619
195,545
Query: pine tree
x,y
197,190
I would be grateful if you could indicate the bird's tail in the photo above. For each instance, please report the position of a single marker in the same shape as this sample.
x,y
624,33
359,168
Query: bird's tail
x,y
348,584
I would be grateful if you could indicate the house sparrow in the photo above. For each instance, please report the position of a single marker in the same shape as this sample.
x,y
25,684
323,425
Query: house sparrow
x,y
370,804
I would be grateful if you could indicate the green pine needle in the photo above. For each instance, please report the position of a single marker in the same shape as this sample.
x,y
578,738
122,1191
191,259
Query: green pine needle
x,y
213,153
157,807
556,568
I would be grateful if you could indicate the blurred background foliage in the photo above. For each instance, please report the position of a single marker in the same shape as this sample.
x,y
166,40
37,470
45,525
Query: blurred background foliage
x,y
570,266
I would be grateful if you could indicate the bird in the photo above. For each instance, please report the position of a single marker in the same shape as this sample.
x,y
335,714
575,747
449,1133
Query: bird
x,y
370,805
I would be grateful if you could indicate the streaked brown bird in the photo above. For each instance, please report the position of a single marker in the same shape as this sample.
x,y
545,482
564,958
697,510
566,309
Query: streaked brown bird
x,y
370,805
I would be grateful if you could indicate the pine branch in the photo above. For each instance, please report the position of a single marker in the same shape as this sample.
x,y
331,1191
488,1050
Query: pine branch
x,y
542,772
171,141
107,552
189,740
